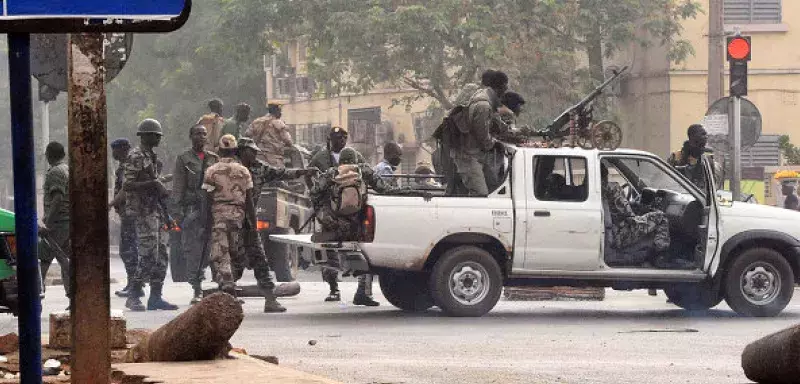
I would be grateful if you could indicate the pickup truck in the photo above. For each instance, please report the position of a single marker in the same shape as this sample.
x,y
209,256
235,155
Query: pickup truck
x,y
547,225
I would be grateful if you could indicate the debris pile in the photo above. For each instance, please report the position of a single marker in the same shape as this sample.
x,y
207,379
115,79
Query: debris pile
x,y
775,358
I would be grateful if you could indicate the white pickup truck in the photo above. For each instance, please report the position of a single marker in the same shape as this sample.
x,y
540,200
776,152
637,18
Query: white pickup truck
x,y
547,225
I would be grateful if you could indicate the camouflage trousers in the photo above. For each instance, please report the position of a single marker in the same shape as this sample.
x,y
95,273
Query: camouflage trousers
x,y
470,170
225,233
59,234
128,247
153,259
250,253
633,229
344,229
194,243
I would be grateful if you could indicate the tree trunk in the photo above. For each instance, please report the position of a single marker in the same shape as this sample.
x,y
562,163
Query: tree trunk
x,y
200,333
594,50
774,358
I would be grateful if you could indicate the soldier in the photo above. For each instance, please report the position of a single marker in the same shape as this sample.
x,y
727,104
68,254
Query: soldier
x,y
328,157
251,249
230,189
270,134
191,206
325,159
128,250
424,168
55,228
339,227
470,153
237,125
392,157
687,159
214,122
628,228
144,193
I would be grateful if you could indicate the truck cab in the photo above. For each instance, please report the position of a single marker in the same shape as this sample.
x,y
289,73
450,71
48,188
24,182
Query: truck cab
x,y
547,224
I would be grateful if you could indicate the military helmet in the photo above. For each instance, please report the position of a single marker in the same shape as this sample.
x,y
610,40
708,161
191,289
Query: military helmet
x,y
149,126
348,156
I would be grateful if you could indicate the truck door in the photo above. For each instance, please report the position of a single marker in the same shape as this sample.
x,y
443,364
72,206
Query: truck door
x,y
564,221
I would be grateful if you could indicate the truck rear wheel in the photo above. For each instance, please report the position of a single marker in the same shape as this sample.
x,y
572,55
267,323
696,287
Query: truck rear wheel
x,y
759,283
698,297
466,282
406,290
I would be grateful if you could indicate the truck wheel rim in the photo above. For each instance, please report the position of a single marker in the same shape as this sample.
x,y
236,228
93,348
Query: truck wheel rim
x,y
469,283
760,283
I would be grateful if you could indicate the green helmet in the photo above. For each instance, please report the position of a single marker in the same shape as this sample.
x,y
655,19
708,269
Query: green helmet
x,y
149,126
348,156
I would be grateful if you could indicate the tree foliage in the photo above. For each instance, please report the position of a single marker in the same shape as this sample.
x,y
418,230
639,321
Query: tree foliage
x,y
791,154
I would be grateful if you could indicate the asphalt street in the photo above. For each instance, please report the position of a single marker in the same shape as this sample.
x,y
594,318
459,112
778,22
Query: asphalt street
x,y
628,338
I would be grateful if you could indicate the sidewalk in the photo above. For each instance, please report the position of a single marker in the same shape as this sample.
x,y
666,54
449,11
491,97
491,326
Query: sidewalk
x,y
241,368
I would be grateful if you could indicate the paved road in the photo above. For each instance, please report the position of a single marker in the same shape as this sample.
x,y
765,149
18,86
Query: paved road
x,y
519,342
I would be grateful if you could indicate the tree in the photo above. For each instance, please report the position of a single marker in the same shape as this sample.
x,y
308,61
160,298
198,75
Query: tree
x,y
789,151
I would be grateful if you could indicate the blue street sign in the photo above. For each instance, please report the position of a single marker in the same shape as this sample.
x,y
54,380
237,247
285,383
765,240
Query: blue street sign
x,y
85,9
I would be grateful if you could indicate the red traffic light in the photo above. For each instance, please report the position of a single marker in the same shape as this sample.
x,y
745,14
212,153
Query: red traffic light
x,y
739,48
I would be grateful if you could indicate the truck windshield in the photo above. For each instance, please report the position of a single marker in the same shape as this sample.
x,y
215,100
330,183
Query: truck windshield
x,y
646,174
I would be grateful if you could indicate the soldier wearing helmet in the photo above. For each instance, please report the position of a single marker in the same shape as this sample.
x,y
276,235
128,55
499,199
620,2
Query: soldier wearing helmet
x,y
144,190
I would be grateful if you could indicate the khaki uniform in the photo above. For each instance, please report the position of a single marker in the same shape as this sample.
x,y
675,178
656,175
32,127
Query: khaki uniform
x,y
214,124
191,209
691,167
270,134
227,182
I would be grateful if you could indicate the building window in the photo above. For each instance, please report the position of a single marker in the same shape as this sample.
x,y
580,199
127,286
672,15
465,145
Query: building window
x,y
752,11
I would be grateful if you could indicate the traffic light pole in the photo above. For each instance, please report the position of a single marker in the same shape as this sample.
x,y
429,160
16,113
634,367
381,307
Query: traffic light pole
x,y
736,138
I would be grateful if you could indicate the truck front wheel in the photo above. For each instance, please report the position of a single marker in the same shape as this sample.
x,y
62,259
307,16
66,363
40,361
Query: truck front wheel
x,y
406,290
759,283
466,282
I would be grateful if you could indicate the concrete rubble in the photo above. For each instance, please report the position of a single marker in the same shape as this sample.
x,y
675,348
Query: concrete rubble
x,y
775,358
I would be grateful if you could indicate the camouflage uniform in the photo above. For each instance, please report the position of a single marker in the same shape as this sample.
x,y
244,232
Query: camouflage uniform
x,y
469,155
227,182
270,134
56,186
128,247
250,246
191,209
144,207
628,228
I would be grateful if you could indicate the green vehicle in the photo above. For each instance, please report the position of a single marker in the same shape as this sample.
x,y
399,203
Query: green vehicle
x,y
8,262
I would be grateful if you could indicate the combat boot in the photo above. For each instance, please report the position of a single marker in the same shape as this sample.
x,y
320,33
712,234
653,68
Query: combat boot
x,y
197,295
362,298
124,292
333,296
134,303
156,302
271,304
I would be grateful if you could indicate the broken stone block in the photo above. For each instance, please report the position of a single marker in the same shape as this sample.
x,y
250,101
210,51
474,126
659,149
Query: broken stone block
x,y
9,343
775,358
200,333
61,330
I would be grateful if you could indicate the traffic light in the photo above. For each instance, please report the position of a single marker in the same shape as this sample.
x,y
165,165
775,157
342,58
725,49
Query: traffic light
x,y
738,50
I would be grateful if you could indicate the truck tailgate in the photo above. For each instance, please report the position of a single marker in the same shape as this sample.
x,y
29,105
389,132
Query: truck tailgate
x,y
348,254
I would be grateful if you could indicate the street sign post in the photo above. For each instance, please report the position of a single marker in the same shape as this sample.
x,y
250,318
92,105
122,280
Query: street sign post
x,y
85,19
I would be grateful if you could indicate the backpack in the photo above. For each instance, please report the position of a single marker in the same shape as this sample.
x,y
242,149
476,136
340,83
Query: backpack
x,y
349,191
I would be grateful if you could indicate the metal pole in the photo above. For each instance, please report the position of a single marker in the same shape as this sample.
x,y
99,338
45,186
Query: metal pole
x,y
88,165
30,306
45,123
736,134
716,52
